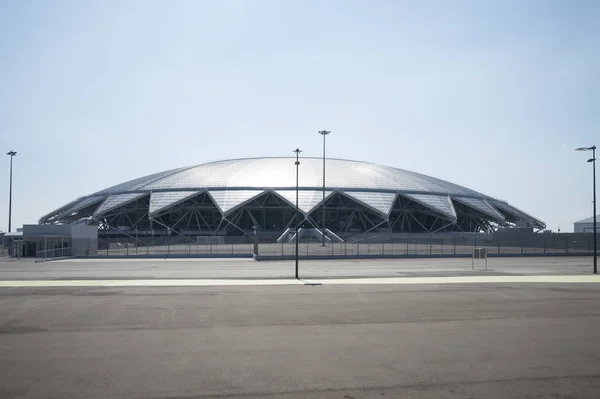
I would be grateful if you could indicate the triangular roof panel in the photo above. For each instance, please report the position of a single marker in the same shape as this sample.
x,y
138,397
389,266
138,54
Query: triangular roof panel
x,y
83,204
227,200
381,202
439,203
307,200
165,199
57,211
517,213
482,206
115,201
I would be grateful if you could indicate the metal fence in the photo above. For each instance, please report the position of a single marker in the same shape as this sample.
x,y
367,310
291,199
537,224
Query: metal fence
x,y
411,248
115,248
55,253
392,245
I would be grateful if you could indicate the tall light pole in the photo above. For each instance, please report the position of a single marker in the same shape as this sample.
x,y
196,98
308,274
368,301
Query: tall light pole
x,y
11,154
593,161
297,151
324,133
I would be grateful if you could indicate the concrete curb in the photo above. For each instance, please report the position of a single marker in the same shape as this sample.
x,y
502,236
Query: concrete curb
x,y
318,257
424,256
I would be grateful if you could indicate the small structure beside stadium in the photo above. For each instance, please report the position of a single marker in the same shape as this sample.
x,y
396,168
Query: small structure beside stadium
x,y
52,241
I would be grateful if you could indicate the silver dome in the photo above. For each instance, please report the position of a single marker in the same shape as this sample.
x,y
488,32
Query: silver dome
x,y
232,183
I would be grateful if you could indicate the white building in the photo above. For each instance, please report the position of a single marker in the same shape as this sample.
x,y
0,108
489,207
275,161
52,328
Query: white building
x,y
51,241
586,225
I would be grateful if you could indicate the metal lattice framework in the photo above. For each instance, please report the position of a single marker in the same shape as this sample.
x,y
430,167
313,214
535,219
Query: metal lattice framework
x,y
233,197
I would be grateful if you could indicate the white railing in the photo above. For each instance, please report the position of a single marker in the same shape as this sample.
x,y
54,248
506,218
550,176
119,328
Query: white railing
x,y
55,253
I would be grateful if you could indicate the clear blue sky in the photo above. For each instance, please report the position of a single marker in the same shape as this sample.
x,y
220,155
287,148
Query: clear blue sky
x,y
492,95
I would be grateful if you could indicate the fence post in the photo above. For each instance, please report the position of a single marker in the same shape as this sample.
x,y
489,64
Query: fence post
x,y
544,244
430,245
566,245
382,249
127,246
521,247
454,251
345,253
254,243
357,248
332,247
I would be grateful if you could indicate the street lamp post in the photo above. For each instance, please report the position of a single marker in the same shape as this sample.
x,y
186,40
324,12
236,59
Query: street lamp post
x,y
297,151
11,154
324,133
593,161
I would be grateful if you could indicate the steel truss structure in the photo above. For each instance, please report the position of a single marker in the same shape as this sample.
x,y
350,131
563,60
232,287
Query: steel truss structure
x,y
270,213
191,202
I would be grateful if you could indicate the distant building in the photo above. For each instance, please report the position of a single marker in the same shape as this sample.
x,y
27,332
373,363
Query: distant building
x,y
586,225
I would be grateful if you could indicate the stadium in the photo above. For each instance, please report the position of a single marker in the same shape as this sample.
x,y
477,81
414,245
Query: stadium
x,y
235,197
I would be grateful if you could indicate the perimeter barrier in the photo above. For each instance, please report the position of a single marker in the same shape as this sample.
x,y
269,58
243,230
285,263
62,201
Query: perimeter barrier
x,y
375,245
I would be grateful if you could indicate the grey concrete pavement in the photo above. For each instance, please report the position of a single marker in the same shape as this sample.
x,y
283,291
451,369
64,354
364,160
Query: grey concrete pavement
x,y
427,341
247,268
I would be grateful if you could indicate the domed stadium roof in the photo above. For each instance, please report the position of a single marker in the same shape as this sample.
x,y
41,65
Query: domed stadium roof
x,y
232,183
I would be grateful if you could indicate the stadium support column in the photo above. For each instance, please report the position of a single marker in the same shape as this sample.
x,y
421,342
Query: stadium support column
x,y
593,161
297,151
11,154
324,133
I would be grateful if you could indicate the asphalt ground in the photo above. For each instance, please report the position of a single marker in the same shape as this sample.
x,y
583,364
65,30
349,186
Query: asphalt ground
x,y
15,269
301,341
